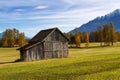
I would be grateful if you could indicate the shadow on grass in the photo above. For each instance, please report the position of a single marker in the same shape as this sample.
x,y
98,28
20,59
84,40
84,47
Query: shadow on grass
x,y
7,62
16,61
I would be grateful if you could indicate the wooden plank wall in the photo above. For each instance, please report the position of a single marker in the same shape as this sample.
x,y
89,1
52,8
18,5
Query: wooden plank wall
x,y
34,53
55,46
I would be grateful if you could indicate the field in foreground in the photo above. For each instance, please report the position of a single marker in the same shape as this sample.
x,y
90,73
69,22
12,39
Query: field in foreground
x,y
97,63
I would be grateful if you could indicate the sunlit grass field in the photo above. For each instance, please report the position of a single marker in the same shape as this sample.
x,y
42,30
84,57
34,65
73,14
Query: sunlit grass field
x,y
94,63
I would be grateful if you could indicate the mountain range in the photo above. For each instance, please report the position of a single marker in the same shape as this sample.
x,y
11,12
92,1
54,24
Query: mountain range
x,y
92,25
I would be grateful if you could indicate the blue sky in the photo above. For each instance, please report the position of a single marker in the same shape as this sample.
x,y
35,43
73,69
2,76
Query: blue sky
x,y
31,16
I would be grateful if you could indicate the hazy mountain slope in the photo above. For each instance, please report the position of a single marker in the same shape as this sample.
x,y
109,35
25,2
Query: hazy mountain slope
x,y
93,24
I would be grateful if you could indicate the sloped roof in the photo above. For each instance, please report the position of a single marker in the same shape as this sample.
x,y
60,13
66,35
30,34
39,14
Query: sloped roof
x,y
40,37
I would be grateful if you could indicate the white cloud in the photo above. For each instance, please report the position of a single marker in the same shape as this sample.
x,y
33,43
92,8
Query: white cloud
x,y
41,7
19,10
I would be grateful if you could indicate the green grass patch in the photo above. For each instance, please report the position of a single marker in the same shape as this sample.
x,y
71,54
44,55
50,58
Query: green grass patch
x,y
8,54
95,63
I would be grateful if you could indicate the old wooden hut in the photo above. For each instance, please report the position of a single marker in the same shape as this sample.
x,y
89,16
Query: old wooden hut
x,y
50,43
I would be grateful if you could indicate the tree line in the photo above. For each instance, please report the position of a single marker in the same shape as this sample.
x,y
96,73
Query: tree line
x,y
77,38
13,38
105,34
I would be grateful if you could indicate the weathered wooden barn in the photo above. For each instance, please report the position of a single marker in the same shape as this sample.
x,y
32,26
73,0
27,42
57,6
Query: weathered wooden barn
x,y
50,43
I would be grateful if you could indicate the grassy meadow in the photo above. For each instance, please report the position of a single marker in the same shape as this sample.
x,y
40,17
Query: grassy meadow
x,y
94,63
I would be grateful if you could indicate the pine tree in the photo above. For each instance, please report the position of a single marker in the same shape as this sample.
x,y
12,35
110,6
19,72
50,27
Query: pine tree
x,y
100,35
112,31
106,34
16,35
5,39
8,38
11,38
72,40
22,41
117,36
86,39
77,38
5,44
92,37
1,42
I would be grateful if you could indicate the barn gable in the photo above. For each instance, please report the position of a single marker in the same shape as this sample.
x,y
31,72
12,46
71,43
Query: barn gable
x,y
42,35
56,35
50,43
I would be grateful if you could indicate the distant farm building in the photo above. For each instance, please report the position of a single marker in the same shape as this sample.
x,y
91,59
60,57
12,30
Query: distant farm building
x,y
50,43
